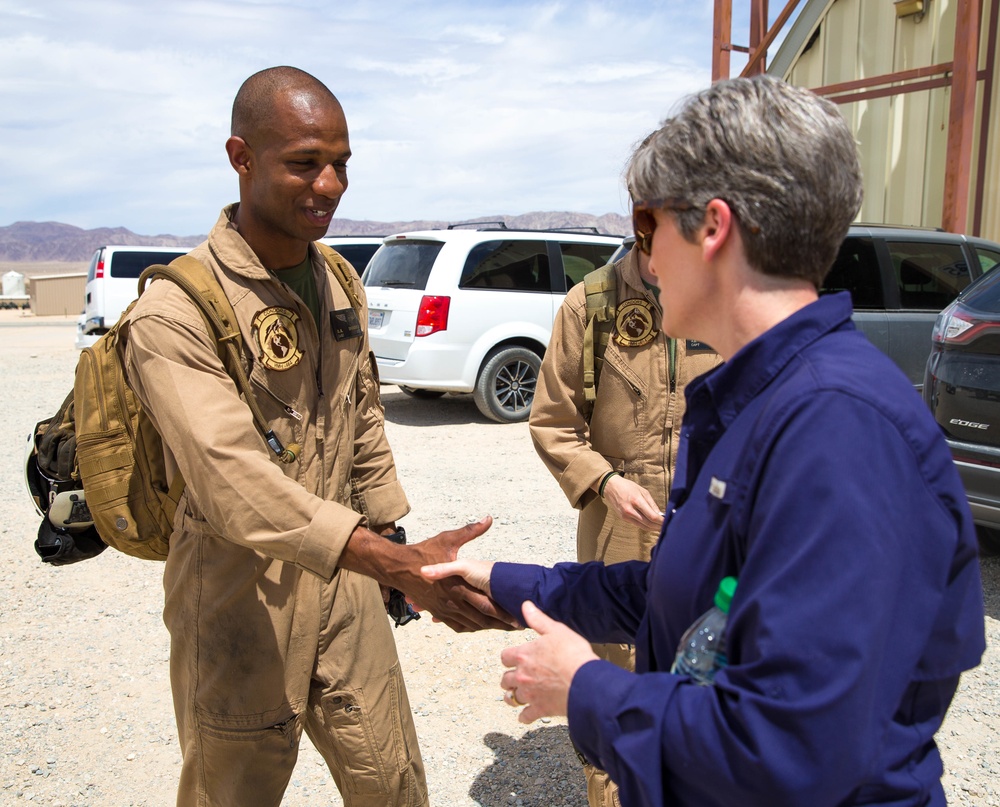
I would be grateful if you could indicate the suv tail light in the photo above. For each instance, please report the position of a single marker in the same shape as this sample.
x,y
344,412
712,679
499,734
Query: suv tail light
x,y
957,325
99,271
432,316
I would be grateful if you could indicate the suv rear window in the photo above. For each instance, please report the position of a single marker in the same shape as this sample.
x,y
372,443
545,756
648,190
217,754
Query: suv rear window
x,y
403,264
508,266
929,275
988,259
985,295
131,264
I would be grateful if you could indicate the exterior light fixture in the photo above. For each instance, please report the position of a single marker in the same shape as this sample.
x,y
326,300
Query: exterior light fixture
x,y
904,8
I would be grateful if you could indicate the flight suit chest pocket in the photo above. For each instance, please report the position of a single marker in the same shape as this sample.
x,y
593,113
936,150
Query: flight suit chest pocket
x,y
633,382
282,413
620,421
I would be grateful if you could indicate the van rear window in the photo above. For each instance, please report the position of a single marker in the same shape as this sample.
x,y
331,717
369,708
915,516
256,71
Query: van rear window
x,y
402,264
131,264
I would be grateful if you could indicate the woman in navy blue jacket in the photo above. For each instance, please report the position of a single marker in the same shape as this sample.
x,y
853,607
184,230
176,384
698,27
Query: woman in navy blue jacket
x,y
808,469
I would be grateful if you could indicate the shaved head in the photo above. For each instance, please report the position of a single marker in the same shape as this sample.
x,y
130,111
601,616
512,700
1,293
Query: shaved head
x,y
255,108
290,147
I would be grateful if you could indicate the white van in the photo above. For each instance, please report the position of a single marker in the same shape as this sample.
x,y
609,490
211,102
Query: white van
x,y
113,283
462,310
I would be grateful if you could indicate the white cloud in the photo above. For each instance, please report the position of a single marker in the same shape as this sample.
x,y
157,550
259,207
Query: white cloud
x,y
116,113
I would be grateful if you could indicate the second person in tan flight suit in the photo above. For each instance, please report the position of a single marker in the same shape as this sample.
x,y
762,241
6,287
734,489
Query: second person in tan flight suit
x,y
613,449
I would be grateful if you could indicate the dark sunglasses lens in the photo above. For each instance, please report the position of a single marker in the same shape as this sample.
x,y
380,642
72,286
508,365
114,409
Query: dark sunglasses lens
x,y
643,224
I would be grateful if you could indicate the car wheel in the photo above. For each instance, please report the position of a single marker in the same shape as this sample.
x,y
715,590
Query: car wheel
x,y
506,384
989,540
414,392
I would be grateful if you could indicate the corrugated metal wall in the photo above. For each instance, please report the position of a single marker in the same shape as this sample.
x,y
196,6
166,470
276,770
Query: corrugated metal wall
x,y
902,138
52,295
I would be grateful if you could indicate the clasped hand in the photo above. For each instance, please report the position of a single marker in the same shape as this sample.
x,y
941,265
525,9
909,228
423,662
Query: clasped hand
x,y
461,605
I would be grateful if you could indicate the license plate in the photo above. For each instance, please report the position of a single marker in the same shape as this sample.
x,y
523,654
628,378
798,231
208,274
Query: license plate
x,y
375,319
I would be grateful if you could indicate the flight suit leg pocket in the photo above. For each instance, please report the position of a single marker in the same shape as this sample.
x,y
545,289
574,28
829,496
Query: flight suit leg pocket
x,y
349,723
244,764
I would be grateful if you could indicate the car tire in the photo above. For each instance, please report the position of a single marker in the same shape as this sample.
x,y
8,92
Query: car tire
x,y
414,392
989,540
506,384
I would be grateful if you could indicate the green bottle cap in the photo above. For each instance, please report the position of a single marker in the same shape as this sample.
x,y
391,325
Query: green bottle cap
x,y
724,596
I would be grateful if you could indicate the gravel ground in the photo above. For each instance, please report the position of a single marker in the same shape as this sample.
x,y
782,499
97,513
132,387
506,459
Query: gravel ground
x,y
85,708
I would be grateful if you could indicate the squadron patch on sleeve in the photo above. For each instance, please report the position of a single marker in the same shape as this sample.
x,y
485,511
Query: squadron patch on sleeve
x,y
635,324
276,332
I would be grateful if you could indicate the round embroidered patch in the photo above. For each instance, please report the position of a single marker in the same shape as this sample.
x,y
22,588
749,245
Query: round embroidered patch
x,y
277,335
634,324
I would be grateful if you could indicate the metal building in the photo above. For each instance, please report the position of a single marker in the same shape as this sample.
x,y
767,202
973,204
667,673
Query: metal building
x,y
52,295
919,83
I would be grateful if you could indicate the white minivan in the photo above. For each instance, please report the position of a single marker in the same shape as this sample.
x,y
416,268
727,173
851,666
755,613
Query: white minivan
x,y
462,310
113,283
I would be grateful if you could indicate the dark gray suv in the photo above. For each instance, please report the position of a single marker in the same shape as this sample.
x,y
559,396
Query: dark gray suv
x,y
900,278
962,388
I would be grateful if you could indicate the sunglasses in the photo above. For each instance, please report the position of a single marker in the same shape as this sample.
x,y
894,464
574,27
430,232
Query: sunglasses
x,y
644,223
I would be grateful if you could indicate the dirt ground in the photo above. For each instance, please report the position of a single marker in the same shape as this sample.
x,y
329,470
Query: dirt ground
x,y
85,709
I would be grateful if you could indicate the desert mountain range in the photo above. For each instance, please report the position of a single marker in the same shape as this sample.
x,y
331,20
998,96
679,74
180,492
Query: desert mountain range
x,y
51,241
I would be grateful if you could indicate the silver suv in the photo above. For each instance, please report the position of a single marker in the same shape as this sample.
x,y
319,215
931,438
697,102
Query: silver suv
x,y
471,310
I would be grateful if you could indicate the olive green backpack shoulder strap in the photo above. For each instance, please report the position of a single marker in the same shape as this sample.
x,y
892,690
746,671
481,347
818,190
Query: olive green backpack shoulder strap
x,y
199,283
601,289
345,275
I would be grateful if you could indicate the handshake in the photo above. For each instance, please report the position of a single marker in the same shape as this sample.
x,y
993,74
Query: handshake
x,y
425,577
538,674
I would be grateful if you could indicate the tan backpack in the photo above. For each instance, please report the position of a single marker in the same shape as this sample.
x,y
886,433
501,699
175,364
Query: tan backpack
x,y
601,289
100,451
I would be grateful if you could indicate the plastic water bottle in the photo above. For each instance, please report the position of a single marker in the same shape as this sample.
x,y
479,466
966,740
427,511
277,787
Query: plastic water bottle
x,y
702,650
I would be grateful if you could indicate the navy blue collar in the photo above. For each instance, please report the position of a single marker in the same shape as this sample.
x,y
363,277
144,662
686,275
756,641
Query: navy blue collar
x,y
728,388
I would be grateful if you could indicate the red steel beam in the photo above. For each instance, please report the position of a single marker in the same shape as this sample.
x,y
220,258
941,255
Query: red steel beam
x,y
883,92
876,81
757,57
984,123
758,28
898,89
958,163
722,32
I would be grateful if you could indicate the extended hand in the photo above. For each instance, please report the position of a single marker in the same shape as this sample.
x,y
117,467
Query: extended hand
x,y
633,503
541,672
474,572
452,599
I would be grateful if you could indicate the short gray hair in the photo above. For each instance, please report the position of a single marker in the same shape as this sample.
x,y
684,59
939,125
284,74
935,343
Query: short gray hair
x,y
781,157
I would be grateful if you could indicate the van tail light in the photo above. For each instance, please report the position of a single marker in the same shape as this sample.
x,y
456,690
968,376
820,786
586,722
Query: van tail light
x,y
99,271
432,316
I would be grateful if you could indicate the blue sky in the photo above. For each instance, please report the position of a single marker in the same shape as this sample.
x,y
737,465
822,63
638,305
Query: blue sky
x,y
116,113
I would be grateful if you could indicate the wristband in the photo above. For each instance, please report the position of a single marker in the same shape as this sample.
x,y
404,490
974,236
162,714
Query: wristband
x,y
607,476
397,607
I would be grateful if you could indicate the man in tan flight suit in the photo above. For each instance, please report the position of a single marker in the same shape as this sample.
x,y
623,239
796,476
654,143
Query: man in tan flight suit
x,y
276,624
614,460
